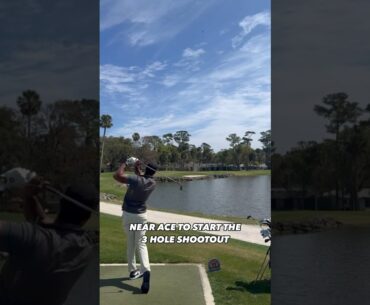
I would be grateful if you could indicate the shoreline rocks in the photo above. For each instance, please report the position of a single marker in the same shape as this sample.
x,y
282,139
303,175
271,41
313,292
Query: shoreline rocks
x,y
192,177
306,226
107,197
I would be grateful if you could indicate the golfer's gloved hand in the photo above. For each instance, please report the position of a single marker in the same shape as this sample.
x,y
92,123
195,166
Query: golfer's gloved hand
x,y
35,186
131,161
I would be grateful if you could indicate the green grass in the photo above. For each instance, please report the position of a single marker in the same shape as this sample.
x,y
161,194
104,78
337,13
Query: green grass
x,y
240,261
8,216
352,218
234,219
110,186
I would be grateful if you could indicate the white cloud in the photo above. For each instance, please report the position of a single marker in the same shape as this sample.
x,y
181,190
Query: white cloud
x,y
154,67
140,38
148,22
128,84
230,97
171,80
190,60
248,24
38,65
209,98
190,53
115,75
210,121
252,59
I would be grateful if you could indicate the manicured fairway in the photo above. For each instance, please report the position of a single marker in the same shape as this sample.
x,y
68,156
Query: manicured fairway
x,y
170,285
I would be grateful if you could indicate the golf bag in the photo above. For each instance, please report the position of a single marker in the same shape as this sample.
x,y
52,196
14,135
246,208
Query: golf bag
x,y
266,234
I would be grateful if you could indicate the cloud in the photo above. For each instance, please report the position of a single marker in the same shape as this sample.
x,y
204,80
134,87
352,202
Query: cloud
x,y
124,85
56,70
231,96
171,80
154,67
249,60
113,76
248,24
190,53
190,60
146,22
211,94
322,70
209,121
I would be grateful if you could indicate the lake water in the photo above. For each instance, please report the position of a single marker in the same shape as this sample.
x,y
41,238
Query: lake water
x,y
232,196
323,268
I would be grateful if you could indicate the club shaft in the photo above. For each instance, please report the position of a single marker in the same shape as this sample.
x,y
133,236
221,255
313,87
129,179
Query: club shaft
x,y
74,201
164,176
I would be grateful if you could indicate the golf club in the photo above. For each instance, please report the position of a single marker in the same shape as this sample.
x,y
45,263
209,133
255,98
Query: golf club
x,y
263,267
266,234
74,201
178,183
19,177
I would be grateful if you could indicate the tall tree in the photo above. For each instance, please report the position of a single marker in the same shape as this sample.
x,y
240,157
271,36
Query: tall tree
x,y
105,123
339,111
207,152
167,138
181,136
247,139
29,104
154,142
266,141
235,142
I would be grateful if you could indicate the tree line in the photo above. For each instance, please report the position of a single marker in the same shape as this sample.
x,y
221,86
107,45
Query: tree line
x,y
175,151
337,167
59,140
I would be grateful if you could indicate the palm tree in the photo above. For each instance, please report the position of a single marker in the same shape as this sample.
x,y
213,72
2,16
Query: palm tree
x,y
29,104
105,122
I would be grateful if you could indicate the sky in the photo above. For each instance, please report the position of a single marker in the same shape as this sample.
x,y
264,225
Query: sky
x,y
200,66
313,59
45,53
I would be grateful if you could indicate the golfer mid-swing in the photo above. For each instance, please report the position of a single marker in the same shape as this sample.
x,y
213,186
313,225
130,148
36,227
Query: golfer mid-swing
x,y
140,186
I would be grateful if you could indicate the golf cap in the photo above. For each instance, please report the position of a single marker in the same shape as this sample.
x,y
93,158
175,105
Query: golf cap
x,y
15,178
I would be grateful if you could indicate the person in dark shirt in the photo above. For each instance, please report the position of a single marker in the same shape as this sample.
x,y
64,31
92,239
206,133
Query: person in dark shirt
x,y
140,186
46,259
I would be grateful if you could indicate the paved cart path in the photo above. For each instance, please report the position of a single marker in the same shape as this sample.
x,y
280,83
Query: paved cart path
x,y
248,233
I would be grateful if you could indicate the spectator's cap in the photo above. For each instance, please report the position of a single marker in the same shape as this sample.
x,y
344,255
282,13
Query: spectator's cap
x,y
15,178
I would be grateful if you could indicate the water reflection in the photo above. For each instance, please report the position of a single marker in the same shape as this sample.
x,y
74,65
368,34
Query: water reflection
x,y
320,268
233,196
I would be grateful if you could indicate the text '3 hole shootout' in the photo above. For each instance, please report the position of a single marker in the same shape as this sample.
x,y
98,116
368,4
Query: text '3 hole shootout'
x,y
186,239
